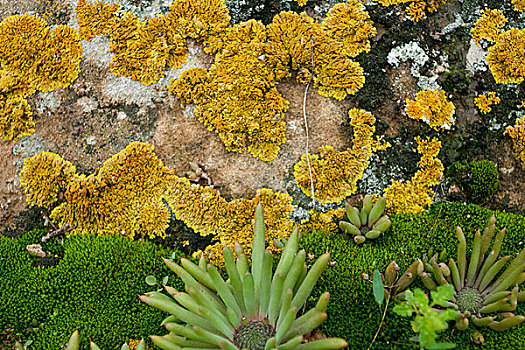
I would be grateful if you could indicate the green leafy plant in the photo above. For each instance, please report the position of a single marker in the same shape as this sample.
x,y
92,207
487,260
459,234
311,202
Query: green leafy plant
x,y
477,291
390,284
254,309
478,179
74,344
428,321
367,223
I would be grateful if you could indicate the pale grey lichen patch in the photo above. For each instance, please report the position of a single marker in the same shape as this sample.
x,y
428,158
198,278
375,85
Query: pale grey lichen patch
x,y
87,104
46,100
97,51
476,58
449,28
417,56
28,146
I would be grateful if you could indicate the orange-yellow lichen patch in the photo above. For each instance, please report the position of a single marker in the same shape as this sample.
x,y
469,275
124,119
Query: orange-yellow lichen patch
x,y
319,221
95,19
15,118
134,194
14,86
414,195
488,26
519,5
59,63
292,37
143,50
416,9
506,57
432,107
124,197
199,19
335,173
47,59
517,133
23,38
33,57
350,26
236,97
483,102
44,176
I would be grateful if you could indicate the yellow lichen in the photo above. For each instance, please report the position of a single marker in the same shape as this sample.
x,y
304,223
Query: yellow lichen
x,y
335,173
414,195
291,39
44,176
488,26
123,197
432,107
236,97
319,221
15,118
14,86
301,2
350,26
416,9
59,63
199,19
519,5
483,102
143,50
33,57
506,57
134,194
517,133
96,19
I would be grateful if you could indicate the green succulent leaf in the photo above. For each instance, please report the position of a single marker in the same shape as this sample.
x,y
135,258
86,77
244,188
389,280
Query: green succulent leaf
x,y
377,282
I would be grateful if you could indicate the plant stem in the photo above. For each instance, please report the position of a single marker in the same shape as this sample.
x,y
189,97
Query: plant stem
x,y
381,323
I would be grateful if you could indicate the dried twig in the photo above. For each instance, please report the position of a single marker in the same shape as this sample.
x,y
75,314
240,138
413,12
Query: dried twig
x,y
306,122
63,230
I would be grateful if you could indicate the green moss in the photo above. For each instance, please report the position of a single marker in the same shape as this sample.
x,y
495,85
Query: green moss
x,y
478,179
409,238
94,288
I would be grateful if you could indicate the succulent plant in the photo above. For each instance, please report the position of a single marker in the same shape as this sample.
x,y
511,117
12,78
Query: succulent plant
x,y
74,344
367,223
254,309
477,290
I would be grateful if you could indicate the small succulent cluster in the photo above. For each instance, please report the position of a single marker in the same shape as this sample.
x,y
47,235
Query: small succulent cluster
x,y
480,286
367,223
254,309
74,344
477,290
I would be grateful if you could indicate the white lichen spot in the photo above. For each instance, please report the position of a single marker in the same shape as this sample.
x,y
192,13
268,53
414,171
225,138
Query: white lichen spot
x,y
476,58
87,104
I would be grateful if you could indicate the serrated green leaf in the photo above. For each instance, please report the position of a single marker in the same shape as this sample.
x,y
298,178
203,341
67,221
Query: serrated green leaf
x,y
403,310
378,287
442,294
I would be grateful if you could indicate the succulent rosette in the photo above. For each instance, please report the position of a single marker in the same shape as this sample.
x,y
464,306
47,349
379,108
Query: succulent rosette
x,y
253,309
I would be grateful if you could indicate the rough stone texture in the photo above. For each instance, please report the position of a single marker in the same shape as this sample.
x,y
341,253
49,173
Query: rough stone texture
x,y
99,114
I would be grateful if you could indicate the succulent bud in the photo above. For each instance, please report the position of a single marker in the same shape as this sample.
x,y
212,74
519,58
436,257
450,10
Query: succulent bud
x,y
477,338
391,273
359,239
